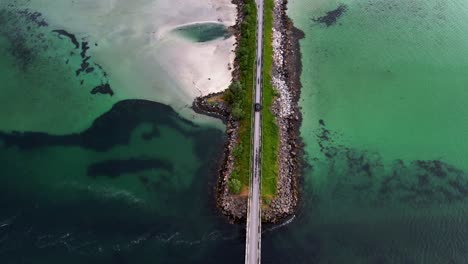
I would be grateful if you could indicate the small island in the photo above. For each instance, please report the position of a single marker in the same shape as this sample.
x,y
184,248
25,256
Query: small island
x,y
281,146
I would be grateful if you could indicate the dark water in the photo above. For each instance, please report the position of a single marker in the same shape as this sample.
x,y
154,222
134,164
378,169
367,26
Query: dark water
x,y
136,187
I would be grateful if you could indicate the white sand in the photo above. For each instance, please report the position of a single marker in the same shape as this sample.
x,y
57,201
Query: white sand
x,y
201,68
142,56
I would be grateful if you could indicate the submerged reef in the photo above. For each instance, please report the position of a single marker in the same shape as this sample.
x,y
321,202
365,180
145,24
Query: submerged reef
x,y
331,17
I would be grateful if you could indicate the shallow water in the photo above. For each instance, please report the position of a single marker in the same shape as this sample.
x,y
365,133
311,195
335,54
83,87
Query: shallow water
x,y
84,44
385,127
43,87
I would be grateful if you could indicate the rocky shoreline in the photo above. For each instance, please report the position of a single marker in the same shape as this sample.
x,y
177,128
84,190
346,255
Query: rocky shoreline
x,y
286,80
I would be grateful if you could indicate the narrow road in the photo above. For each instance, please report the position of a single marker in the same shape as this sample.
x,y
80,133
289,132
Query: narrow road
x,y
254,224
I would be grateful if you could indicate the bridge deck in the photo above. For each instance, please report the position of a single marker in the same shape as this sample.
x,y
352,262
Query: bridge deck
x,y
254,223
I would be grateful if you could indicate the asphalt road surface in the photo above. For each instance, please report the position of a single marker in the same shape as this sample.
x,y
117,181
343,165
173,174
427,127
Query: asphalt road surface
x,y
253,237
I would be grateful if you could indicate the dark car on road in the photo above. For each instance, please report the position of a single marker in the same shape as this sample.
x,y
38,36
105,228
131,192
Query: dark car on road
x,y
257,107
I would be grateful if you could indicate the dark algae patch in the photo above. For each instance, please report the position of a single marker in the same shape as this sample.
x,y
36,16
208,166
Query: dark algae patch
x,y
85,65
415,183
110,129
61,32
20,28
332,16
33,44
34,17
103,89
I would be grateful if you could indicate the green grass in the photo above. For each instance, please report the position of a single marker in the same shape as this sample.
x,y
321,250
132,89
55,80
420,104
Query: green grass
x,y
240,95
270,134
240,98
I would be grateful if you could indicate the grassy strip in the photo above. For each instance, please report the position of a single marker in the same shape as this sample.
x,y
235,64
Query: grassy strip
x,y
240,98
270,133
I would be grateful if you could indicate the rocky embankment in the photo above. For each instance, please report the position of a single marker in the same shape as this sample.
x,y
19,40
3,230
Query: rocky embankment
x,y
232,205
286,79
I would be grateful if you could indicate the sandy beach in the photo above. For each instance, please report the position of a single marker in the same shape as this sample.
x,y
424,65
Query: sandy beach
x,y
137,46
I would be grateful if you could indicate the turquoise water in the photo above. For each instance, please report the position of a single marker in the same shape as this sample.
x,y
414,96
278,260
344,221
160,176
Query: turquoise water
x,y
96,178
88,173
66,63
386,131
34,100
